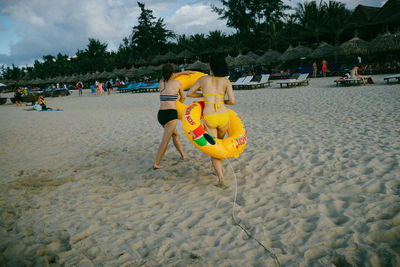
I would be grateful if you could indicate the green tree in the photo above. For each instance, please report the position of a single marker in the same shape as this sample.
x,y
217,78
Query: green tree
x,y
338,19
311,18
150,35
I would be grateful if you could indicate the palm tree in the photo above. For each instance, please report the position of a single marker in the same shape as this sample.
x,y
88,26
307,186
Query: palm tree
x,y
338,18
311,17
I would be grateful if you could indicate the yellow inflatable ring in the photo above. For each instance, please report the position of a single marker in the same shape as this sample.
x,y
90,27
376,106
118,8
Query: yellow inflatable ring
x,y
191,116
187,80
228,147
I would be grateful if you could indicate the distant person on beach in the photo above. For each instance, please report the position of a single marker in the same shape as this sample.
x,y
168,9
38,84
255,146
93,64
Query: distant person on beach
x,y
167,114
79,85
324,67
354,74
215,114
100,88
315,69
109,87
40,105
18,97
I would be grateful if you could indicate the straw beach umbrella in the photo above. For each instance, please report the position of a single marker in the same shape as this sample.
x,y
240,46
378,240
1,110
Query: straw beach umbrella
x,y
323,50
184,54
355,46
295,53
198,65
168,57
385,43
230,60
269,57
242,60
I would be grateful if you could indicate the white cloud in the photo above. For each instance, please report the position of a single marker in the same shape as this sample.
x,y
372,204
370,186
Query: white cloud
x,y
196,18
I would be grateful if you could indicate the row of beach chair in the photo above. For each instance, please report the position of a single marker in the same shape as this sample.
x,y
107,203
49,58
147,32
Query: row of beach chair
x,y
139,88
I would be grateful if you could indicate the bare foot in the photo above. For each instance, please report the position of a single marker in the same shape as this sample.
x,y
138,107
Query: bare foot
x,y
157,166
183,156
221,185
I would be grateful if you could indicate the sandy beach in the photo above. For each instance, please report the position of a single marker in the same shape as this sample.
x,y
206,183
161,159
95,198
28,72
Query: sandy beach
x,y
318,183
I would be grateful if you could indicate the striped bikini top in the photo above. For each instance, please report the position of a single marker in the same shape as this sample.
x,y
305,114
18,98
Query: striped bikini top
x,y
217,104
168,97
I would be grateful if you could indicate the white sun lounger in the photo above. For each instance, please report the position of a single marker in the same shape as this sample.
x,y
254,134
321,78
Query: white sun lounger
x,y
302,79
394,76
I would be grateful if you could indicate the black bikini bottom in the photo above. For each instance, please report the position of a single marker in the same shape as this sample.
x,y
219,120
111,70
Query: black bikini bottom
x,y
166,115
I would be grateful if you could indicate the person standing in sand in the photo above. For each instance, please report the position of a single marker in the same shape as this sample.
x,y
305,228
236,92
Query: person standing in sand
x,y
324,67
100,88
167,114
79,85
215,114
18,97
315,69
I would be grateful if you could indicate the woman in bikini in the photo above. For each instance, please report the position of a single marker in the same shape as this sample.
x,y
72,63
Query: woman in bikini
x,y
215,114
167,115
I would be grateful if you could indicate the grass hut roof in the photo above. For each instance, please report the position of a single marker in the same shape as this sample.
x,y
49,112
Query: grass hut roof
x,y
185,54
243,60
323,50
168,57
198,65
269,57
385,43
295,53
230,60
355,46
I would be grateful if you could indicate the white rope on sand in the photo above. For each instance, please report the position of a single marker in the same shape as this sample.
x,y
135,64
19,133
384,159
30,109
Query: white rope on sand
x,y
267,250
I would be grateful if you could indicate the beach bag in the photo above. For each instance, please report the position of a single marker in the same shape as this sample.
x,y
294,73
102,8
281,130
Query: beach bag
x,y
370,81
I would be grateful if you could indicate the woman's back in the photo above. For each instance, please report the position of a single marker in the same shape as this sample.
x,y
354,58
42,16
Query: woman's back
x,y
214,90
168,91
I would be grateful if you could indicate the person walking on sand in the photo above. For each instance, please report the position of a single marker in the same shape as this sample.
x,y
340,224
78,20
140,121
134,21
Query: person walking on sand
x,y
109,87
100,88
324,67
215,114
18,97
315,69
79,85
167,114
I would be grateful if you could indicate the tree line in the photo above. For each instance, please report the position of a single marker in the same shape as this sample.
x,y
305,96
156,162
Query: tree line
x,y
259,25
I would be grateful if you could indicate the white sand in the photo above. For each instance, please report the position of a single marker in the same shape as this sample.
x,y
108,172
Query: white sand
x,y
318,184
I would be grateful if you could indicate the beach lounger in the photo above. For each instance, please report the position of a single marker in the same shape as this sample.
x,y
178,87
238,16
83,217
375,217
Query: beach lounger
x,y
151,87
394,76
127,89
264,81
238,81
344,81
244,83
301,80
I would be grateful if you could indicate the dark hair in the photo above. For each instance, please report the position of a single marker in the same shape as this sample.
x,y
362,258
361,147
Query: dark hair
x,y
167,71
218,66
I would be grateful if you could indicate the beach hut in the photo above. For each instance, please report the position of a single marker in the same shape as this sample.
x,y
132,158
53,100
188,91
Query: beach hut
x,y
230,60
385,43
198,65
269,57
355,46
322,51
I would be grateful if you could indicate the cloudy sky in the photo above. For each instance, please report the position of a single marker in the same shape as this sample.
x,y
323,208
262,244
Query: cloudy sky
x,y
30,29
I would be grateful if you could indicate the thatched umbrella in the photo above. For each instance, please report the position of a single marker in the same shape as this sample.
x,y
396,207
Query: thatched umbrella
x,y
230,60
242,60
143,71
184,54
168,57
385,43
269,57
295,53
323,50
198,65
355,46
252,55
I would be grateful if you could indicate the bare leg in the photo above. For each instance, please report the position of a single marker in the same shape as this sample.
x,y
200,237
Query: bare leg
x,y
217,163
178,144
169,129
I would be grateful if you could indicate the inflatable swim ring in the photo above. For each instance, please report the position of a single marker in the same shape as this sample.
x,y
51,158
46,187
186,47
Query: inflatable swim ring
x,y
191,116
187,80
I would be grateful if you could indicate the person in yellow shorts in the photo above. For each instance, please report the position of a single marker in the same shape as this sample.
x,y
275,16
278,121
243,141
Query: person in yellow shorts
x,y
216,116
